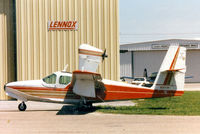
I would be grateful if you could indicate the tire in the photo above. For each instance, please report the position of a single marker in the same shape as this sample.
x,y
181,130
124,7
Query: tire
x,y
89,104
22,106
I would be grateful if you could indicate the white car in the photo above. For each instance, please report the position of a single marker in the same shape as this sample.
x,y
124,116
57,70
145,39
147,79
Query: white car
x,y
141,81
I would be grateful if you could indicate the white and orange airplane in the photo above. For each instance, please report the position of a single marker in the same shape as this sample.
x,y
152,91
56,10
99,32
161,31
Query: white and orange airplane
x,y
85,86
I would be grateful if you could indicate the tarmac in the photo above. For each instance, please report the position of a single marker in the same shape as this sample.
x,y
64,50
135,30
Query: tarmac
x,y
47,118
192,87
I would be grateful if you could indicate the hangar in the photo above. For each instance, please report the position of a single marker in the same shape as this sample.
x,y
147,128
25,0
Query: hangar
x,y
134,58
38,37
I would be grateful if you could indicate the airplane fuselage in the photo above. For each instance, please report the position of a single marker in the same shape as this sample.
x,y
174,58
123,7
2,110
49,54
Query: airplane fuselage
x,y
86,86
38,90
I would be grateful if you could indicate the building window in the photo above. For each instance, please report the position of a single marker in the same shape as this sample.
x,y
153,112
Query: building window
x,y
51,79
64,80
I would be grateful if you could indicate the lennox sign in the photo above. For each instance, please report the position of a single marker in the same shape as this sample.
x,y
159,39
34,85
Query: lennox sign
x,y
62,25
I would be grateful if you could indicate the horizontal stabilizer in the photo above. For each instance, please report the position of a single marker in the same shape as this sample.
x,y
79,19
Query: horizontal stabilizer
x,y
174,70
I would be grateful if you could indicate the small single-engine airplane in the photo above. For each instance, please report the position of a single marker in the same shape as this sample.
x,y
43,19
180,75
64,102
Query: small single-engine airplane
x,y
84,86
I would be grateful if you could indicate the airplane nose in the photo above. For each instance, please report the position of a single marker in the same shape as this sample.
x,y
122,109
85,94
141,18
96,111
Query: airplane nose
x,y
8,85
5,87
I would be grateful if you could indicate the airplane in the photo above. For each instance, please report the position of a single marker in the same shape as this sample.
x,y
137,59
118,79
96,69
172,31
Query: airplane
x,y
85,86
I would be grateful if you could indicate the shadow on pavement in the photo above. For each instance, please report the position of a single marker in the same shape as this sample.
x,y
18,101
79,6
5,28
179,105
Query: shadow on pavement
x,y
74,110
27,110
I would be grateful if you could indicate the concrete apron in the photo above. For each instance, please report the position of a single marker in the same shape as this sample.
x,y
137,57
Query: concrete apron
x,y
192,87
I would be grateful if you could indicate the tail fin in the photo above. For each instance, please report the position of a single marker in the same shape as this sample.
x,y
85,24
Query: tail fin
x,y
171,75
89,58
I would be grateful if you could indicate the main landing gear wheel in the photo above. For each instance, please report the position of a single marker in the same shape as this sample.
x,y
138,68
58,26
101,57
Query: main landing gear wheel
x,y
22,106
89,105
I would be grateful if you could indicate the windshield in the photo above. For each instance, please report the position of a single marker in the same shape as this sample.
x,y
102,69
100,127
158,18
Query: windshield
x,y
51,79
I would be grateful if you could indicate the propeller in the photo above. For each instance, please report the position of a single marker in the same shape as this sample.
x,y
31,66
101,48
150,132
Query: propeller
x,y
104,55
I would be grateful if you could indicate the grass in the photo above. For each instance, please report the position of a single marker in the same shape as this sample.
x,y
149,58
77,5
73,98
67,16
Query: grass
x,y
188,104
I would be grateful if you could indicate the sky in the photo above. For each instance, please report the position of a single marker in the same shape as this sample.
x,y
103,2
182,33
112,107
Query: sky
x,y
150,20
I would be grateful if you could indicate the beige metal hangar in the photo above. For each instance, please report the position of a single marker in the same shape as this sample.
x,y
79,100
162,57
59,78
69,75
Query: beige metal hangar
x,y
7,69
49,32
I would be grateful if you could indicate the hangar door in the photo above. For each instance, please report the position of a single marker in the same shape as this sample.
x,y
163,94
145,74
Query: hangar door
x,y
126,64
193,65
151,60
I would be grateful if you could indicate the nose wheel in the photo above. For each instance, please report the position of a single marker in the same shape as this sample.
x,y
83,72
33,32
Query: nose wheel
x,y
22,106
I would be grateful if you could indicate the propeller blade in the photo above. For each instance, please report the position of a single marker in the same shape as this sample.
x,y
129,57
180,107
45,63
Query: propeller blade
x,y
104,55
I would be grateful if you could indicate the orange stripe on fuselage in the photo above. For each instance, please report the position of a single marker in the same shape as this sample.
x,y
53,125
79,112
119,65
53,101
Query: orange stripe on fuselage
x,y
39,88
44,92
42,88
114,92
84,72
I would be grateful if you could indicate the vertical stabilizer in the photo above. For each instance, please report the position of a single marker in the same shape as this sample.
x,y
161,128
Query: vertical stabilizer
x,y
89,58
171,75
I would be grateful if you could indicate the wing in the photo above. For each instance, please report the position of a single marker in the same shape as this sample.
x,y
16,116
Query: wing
x,y
86,83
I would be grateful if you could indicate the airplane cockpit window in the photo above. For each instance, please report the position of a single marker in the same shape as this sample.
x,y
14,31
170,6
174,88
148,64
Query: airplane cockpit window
x,y
51,79
64,80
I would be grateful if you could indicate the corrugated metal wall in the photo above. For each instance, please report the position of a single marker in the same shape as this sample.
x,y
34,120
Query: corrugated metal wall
x,y
3,54
125,64
41,52
6,45
193,65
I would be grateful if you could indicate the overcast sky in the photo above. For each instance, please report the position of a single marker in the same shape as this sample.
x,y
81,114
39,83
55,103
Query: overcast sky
x,y
148,20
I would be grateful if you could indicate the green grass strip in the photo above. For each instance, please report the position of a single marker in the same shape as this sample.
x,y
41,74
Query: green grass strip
x,y
188,104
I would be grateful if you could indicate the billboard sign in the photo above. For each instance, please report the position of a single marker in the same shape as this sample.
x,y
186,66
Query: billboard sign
x,y
166,46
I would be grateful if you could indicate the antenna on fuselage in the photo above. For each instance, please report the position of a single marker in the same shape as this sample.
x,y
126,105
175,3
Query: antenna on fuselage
x,y
65,68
